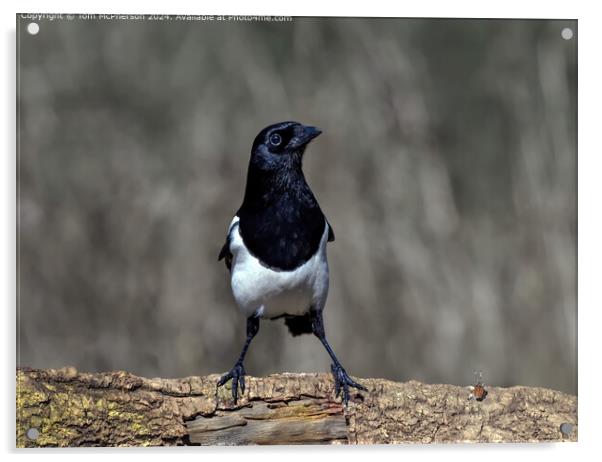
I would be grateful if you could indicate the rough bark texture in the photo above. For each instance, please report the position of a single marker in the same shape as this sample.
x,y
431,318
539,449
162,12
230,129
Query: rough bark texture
x,y
66,408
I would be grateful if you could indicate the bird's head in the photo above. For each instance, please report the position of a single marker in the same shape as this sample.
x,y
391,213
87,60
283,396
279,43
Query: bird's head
x,y
281,144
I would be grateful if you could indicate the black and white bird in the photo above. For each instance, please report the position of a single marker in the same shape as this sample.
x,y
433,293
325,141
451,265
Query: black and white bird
x,y
275,249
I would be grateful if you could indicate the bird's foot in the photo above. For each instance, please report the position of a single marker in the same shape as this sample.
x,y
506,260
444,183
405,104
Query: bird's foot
x,y
237,374
342,382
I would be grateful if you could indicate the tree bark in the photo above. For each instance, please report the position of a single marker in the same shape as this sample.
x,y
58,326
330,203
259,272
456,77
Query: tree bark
x,y
61,407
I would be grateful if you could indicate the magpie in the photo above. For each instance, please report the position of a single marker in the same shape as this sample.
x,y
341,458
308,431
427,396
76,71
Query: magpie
x,y
275,248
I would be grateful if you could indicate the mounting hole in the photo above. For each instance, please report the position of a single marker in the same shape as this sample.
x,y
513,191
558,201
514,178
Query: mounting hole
x,y
33,28
566,428
33,433
567,33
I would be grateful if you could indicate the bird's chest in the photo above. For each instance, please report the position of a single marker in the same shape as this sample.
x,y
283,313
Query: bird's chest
x,y
270,292
283,234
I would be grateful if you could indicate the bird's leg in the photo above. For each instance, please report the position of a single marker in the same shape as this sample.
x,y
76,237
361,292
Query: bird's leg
x,y
237,373
342,381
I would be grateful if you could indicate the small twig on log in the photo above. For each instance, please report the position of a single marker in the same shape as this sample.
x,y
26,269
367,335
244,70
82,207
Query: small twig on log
x,y
66,408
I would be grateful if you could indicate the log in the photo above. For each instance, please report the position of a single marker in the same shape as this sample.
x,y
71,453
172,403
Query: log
x,y
64,407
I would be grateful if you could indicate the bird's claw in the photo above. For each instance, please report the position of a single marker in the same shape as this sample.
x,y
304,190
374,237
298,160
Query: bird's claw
x,y
342,382
237,374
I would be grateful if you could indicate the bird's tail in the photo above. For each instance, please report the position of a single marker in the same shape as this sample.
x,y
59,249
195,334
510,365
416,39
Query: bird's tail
x,y
298,325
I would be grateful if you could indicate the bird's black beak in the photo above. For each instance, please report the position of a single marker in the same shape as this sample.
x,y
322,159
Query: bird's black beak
x,y
304,135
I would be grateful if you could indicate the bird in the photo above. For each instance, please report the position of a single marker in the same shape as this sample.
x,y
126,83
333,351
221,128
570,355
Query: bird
x,y
275,249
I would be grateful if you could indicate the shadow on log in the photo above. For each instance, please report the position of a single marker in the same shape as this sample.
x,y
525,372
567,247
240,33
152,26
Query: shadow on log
x,y
61,407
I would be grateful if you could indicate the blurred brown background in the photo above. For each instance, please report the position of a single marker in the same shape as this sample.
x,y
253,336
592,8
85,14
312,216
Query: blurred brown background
x,y
447,168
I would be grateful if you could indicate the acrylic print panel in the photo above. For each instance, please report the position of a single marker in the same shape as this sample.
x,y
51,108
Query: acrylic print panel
x,y
397,194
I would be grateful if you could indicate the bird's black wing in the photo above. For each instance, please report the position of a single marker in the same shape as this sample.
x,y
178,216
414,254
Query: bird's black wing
x,y
330,232
225,253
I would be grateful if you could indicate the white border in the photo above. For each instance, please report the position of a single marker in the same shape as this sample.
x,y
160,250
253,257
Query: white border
x,y
590,229
552,9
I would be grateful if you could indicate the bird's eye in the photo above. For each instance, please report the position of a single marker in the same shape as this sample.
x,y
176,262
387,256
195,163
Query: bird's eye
x,y
275,139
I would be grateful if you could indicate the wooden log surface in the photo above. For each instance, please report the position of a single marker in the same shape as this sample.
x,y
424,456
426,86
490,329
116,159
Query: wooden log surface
x,y
62,407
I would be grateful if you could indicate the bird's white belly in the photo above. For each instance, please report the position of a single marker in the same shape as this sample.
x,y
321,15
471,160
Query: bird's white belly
x,y
270,293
